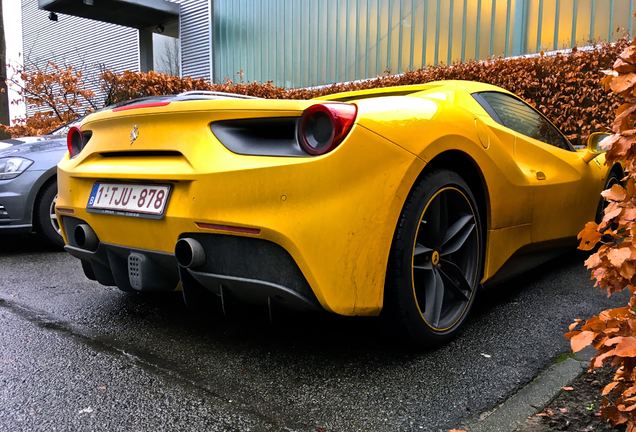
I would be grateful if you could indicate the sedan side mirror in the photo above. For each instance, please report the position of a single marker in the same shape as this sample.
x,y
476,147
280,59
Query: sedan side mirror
x,y
593,148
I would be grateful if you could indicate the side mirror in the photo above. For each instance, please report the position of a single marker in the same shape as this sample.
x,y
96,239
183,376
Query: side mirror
x,y
593,148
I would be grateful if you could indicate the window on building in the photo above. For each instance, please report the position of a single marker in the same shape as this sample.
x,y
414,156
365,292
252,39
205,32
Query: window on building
x,y
166,56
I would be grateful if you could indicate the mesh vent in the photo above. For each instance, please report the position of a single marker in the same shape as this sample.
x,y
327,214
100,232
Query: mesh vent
x,y
135,263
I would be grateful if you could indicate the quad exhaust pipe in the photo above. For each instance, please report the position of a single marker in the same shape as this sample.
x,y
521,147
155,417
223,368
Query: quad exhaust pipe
x,y
189,253
85,237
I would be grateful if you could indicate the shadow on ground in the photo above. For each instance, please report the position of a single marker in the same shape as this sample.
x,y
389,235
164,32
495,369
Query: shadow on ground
x,y
256,326
12,244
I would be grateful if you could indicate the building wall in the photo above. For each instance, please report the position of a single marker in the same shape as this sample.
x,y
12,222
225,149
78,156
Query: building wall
x,y
85,44
196,38
12,12
298,43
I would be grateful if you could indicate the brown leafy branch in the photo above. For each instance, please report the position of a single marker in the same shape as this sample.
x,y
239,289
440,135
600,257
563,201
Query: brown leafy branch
x,y
563,86
58,94
613,266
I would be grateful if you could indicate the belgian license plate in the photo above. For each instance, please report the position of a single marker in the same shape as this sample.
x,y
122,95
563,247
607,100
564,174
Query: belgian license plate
x,y
129,199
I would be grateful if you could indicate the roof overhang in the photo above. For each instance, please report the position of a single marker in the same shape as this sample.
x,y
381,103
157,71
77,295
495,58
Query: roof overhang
x,y
141,14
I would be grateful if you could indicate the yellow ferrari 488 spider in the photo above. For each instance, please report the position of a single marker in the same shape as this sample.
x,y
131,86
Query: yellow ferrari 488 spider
x,y
400,200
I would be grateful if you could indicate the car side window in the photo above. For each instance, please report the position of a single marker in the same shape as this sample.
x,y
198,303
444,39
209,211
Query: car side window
x,y
521,117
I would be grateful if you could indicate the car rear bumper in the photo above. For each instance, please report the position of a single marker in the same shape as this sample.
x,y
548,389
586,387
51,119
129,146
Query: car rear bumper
x,y
331,217
250,269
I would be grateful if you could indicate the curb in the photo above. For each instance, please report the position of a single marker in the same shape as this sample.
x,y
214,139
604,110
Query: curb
x,y
532,397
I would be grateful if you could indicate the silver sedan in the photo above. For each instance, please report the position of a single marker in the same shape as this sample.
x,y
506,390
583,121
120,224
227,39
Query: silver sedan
x,y
28,185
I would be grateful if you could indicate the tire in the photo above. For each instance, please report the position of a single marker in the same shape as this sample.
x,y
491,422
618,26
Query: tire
x,y
435,264
46,225
612,179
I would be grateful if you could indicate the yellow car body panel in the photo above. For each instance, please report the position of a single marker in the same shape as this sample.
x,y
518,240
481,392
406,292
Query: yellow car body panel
x,y
295,202
335,214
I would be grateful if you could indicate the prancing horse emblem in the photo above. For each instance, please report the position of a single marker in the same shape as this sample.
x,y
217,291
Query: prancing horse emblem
x,y
134,134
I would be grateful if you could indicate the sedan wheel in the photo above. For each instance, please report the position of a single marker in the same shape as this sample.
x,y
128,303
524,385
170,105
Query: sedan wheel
x,y
436,260
54,222
46,222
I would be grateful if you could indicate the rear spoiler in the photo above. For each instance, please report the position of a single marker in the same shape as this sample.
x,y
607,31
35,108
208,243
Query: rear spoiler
x,y
157,101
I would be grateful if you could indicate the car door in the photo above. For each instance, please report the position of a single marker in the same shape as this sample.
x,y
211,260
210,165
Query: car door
x,y
565,188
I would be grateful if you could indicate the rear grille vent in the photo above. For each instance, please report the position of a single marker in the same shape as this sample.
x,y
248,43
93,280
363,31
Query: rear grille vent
x,y
259,136
141,153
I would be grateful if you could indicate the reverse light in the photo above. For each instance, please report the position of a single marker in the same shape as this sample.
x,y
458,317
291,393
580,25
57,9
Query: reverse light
x,y
11,167
324,126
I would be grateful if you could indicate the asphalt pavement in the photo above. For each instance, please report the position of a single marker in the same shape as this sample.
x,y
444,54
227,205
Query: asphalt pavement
x,y
75,355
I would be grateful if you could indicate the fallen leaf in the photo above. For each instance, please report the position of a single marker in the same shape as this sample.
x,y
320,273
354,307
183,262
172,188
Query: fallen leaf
x,y
598,360
625,408
567,388
608,388
626,346
581,340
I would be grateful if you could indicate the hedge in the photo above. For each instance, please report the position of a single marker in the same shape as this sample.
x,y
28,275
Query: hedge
x,y
564,86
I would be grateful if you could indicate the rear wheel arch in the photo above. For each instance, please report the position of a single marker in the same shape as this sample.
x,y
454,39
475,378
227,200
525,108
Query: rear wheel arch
x,y
467,168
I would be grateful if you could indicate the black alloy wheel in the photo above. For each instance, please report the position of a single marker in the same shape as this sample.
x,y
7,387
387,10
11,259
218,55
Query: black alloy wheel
x,y
436,259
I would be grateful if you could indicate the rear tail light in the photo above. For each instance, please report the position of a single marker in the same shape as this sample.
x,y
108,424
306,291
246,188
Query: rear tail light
x,y
324,126
76,140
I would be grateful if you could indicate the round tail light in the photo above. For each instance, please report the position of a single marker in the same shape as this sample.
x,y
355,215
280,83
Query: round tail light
x,y
74,141
324,126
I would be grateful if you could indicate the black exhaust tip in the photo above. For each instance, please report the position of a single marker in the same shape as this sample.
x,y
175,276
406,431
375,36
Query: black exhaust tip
x,y
189,253
85,237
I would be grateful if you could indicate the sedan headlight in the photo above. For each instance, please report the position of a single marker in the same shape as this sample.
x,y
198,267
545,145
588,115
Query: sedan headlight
x,y
11,167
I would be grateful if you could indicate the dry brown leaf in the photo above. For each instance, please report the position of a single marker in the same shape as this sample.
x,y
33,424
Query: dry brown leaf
x,y
581,340
618,256
589,236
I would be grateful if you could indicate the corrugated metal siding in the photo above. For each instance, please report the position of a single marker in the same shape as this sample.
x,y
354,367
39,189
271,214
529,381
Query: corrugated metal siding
x,y
80,42
196,38
310,42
